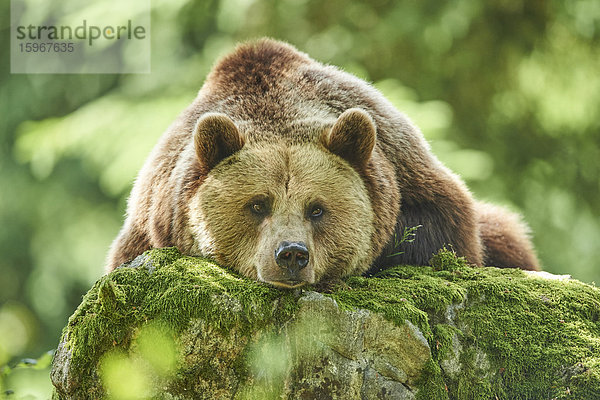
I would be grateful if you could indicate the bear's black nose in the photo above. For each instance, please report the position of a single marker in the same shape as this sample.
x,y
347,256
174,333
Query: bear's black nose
x,y
292,256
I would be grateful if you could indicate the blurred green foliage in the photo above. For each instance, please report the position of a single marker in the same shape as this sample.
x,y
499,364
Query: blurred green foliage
x,y
507,92
140,374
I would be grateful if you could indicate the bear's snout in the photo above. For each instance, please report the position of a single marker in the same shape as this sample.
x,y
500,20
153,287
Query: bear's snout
x,y
292,257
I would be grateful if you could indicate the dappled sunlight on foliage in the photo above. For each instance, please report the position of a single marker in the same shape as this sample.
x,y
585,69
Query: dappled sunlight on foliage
x,y
28,379
141,373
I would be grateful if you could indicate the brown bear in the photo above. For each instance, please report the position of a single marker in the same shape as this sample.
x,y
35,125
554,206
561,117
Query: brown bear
x,y
293,172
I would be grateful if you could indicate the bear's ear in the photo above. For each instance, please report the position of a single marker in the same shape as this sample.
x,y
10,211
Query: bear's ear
x,y
215,138
352,137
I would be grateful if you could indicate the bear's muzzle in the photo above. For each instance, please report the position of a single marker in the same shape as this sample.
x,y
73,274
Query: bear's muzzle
x,y
291,257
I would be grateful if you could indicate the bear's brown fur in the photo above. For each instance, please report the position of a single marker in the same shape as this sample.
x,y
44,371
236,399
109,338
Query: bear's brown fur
x,y
278,149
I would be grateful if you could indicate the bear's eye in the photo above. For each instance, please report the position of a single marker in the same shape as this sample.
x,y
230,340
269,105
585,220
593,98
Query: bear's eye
x,y
316,212
259,208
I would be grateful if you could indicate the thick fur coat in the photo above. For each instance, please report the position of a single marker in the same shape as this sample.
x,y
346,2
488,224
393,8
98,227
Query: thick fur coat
x,y
278,146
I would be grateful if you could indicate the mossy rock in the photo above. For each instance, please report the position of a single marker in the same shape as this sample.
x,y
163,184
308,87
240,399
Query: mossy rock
x,y
169,326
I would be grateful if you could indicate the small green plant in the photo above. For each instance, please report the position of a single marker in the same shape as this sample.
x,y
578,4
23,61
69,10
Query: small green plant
x,y
446,259
408,236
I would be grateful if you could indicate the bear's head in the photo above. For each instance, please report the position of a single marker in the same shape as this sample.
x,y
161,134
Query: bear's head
x,y
282,212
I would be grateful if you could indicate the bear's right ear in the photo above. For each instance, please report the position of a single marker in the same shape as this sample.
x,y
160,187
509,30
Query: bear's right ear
x,y
215,138
352,137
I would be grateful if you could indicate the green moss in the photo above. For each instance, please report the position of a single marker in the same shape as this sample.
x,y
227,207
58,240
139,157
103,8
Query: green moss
x,y
532,328
514,335
535,332
174,288
431,384
447,260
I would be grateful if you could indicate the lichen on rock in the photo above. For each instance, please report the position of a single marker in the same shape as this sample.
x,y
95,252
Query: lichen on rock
x,y
177,327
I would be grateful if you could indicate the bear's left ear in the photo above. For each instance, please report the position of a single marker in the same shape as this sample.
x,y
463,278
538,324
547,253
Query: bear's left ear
x,y
352,137
215,138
